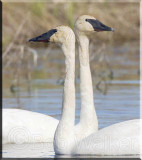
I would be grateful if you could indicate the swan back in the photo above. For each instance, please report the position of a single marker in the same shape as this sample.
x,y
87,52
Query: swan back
x,y
21,126
118,139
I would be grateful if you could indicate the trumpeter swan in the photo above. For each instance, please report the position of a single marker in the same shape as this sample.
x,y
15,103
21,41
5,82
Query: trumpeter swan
x,y
38,127
118,139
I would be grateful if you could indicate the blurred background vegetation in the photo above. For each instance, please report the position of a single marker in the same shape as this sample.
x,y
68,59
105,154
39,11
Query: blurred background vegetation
x,y
23,61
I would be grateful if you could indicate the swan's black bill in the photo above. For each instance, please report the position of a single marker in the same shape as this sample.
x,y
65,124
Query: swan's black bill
x,y
45,37
98,26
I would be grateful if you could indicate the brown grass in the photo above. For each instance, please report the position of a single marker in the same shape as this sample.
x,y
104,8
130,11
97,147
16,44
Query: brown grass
x,y
22,21
124,17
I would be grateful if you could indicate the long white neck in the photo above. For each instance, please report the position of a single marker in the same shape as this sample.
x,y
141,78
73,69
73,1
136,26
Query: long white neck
x,y
88,117
64,133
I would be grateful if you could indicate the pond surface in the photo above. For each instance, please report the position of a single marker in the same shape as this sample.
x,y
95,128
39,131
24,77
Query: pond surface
x,y
120,103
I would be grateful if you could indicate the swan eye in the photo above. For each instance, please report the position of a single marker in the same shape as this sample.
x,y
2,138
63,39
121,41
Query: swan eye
x,y
86,20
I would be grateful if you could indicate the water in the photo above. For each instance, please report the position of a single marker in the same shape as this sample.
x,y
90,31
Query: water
x,y
121,103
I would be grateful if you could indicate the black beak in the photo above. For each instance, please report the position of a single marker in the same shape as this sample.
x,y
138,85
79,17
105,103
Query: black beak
x,y
45,37
98,26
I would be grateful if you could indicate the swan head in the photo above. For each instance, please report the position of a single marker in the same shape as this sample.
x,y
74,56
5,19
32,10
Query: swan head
x,y
87,24
60,34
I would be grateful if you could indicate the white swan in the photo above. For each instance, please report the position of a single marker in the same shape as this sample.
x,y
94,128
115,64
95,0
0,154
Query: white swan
x,y
21,126
118,139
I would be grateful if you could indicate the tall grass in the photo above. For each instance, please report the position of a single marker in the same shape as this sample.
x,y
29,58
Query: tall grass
x,y
70,11
124,17
22,21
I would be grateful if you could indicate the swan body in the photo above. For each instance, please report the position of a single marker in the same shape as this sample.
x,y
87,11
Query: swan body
x,y
21,126
118,139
